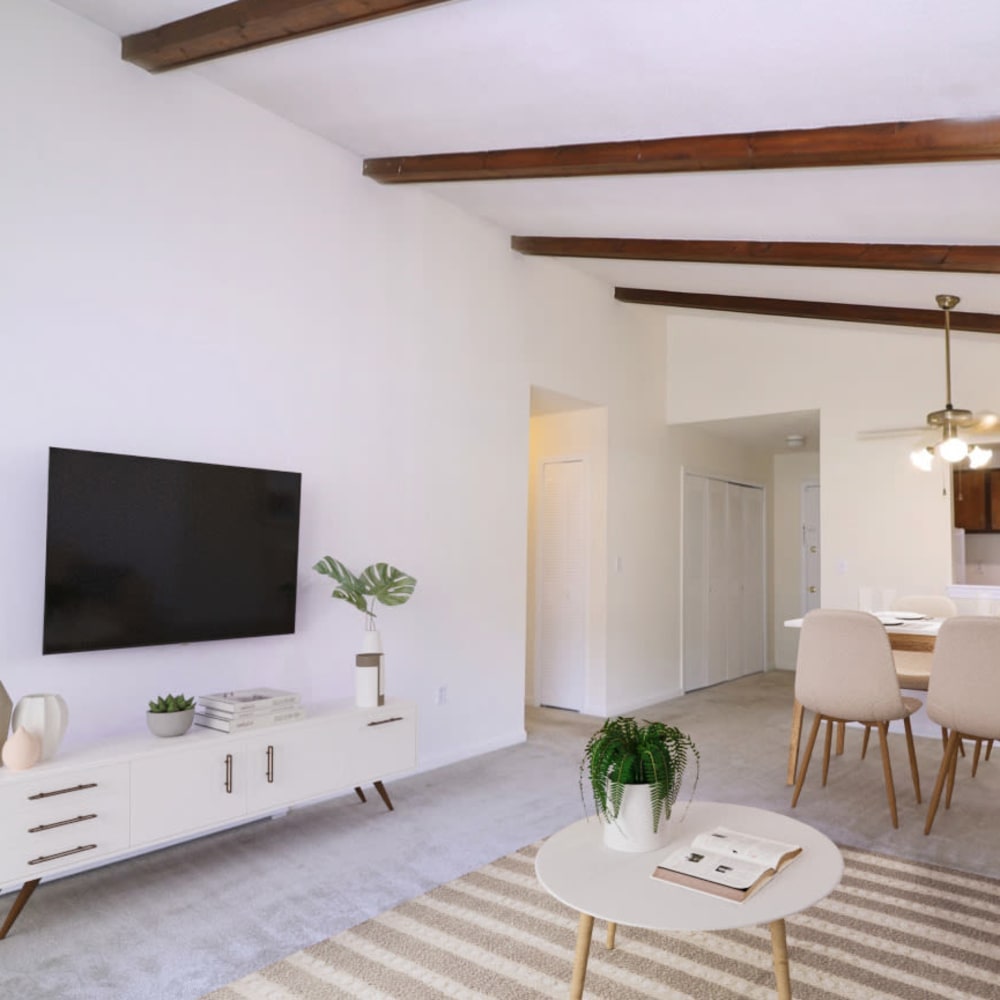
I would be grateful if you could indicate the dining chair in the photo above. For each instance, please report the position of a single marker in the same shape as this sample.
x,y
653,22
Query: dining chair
x,y
964,693
845,673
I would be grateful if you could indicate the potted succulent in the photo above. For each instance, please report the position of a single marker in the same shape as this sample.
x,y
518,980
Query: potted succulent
x,y
379,583
170,715
635,770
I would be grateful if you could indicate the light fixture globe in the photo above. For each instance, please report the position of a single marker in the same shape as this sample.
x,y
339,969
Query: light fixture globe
x,y
978,457
923,459
953,449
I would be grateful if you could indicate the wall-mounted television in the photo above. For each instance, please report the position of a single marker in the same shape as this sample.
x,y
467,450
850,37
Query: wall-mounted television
x,y
151,551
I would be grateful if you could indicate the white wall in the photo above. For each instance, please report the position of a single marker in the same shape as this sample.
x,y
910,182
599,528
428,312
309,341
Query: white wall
x,y
885,525
187,276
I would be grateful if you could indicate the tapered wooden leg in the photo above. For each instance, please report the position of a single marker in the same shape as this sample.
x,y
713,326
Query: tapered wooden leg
x,y
975,757
612,927
989,749
584,930
913,757
864,742
380,788
805,760
794,739
946,761
359,793
890,788
841,730
826,749
779,953
950,787
19,903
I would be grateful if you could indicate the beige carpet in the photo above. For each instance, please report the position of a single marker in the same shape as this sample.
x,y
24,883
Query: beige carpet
x,y
893,929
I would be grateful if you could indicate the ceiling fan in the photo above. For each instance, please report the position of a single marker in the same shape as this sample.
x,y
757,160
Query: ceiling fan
x,y
952,424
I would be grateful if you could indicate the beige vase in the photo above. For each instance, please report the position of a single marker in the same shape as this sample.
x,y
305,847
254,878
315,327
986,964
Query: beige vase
x,y
22,750
632,830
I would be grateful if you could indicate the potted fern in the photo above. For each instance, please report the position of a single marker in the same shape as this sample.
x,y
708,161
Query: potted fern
x,y
635,771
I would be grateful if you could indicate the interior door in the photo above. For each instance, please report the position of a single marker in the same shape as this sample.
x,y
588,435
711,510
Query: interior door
x,y
561,656
811,597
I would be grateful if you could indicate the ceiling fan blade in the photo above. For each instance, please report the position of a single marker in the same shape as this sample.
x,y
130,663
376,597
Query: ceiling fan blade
x,y
888,432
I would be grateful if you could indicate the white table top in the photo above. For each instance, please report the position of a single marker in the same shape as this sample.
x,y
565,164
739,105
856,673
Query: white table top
x,y
576,868
921,626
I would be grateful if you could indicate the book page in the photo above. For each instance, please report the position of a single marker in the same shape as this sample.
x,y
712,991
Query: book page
x,y
755,850
714,867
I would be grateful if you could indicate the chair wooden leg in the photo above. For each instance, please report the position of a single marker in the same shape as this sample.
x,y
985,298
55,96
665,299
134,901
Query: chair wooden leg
x,y
841,730
989,749
947,757
810,743
864,742
913,758
975,757
794,739
890,788
826,749
951,776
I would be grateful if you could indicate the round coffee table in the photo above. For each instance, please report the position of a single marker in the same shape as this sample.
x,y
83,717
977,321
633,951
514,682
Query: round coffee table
x,y
575,867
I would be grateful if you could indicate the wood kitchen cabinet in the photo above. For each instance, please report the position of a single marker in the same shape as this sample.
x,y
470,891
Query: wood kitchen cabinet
x,y
976,494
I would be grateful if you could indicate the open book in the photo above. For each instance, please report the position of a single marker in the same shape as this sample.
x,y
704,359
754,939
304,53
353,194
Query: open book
x,y
726,863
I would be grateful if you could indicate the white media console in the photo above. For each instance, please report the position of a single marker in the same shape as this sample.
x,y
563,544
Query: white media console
x,y
92,808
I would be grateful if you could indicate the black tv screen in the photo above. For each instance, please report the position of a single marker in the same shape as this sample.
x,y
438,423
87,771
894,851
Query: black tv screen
x,y
151,551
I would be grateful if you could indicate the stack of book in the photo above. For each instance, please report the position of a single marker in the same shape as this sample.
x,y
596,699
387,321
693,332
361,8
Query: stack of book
x,y
234,711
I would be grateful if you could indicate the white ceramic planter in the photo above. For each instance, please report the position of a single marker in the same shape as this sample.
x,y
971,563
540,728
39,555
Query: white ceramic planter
x,y
633,829
170,723
45,716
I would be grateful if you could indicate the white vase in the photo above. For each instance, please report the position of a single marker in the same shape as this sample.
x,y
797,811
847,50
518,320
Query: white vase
x,y
632,830
372,641
6,708
45,716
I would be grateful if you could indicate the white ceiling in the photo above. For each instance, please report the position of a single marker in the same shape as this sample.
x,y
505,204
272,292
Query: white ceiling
x,y
489,74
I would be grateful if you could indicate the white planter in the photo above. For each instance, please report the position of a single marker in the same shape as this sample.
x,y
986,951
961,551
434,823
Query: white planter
x,y
633,829
44,716
170,723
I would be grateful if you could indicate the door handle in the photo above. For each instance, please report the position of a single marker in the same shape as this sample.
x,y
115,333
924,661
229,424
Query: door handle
x,y
812,590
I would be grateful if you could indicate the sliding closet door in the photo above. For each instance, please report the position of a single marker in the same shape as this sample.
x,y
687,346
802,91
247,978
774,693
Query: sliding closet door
x,y
723,584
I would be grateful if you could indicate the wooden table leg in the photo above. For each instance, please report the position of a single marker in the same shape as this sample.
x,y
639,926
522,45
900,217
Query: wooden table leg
x,y
583,932
779,953
22,898
612,927
793,742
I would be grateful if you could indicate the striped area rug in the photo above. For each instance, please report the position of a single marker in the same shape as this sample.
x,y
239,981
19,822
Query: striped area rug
x,y
893,929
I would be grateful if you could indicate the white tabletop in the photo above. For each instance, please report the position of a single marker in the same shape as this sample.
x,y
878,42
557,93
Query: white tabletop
x,y
576,868
920,626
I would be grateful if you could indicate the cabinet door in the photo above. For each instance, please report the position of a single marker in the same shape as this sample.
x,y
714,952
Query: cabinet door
x,y
286,764
377,743
994,495
969,495
183,791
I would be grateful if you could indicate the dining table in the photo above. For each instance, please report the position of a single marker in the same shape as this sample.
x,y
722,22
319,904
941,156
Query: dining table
x,y
908,633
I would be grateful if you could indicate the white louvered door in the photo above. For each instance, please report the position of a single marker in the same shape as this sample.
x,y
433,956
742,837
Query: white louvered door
x,y
561,633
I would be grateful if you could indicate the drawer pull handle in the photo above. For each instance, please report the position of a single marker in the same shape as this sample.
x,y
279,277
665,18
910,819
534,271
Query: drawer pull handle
x,y
382,722
229,774
61,791
62,822
270,765
62,854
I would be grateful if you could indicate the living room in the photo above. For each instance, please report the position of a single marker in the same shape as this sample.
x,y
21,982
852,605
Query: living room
x,y
187,275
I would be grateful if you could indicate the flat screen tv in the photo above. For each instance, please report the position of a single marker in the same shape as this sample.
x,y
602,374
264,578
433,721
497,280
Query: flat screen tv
x,y
151,551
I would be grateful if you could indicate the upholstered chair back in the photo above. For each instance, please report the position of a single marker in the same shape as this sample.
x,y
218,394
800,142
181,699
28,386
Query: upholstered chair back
x,y
964,691
845,667
932,605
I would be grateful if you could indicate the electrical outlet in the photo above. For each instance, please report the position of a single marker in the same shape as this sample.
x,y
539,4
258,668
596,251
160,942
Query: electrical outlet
x,y
442,695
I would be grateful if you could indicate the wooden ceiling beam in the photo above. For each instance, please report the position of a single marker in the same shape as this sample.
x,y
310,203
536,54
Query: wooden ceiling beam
x,y
935,141
797,309
882,256
249,24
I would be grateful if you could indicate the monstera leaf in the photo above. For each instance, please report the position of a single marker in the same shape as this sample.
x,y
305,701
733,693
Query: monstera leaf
x,y
379,583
